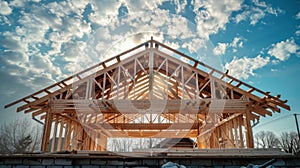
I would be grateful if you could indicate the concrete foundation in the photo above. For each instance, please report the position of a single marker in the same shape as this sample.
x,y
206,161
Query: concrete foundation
x,y
197,159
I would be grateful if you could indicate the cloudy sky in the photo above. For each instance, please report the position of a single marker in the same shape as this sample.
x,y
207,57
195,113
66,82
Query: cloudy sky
x,y
45,41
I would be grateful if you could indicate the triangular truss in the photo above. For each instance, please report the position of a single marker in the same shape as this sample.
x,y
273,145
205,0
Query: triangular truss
x,y
148,91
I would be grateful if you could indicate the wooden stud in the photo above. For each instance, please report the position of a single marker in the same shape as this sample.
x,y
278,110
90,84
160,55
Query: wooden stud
x,y
179,80
59,142
54,133
47,130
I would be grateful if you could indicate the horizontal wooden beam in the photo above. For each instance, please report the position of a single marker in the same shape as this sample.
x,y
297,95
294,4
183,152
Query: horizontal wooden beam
x,y
148,126
150,107
154,134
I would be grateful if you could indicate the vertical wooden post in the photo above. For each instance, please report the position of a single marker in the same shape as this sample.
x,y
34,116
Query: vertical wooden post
x,y
201,143
47,130
151,71
212,87
86,142
241,131
98,146
92,140
103,86
103,142
182,82
248,130
54,134
212,140
67,135
231,135
236,141
74,136
60,135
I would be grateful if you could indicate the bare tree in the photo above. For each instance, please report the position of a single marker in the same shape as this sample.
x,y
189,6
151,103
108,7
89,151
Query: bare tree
x,y
290,143
19,136
120,144
266,139
129,144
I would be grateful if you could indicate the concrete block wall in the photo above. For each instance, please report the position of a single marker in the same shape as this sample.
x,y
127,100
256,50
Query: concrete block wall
x,y
74,161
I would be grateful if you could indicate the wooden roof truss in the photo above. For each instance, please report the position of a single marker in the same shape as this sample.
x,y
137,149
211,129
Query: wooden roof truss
x,y
148,91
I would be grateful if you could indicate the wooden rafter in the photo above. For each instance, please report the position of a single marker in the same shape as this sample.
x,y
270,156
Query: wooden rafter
x,y
149,90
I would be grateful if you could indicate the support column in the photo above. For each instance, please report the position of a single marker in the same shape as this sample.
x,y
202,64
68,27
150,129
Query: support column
x,y
93,140
87,139
67,135
201,142
74,138
47,130
54,134
59,143
236,137
241,136
151,71
103,142
248,129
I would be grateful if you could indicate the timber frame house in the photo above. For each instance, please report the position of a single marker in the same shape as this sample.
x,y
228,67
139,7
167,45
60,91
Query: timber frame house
x,y
148,91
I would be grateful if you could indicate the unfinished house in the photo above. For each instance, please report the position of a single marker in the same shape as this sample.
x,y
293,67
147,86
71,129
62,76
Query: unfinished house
x,y
149,91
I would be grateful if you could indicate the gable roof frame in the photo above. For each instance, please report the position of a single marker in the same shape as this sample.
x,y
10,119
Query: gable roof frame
x,y
34,99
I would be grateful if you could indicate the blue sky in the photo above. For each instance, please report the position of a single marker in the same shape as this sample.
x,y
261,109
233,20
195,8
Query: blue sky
x,y
45,41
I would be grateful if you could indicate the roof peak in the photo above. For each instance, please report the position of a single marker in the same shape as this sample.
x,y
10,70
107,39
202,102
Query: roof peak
x,y
150,44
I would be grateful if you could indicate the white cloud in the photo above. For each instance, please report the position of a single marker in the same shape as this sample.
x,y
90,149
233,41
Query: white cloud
x,y
173,45
274,70
256,15
106,7
195,44
142,5
164,18
34,27
105,12
283,50
298,15
267,8
4,20
178,27
297,33
59,26
17,3
211,16
12,42
241,44
220,49
44,30
236,42
27,68
256,12
62,8
180,5
260,4
242,68
73,51
242,16
13,57
41,64
5,9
